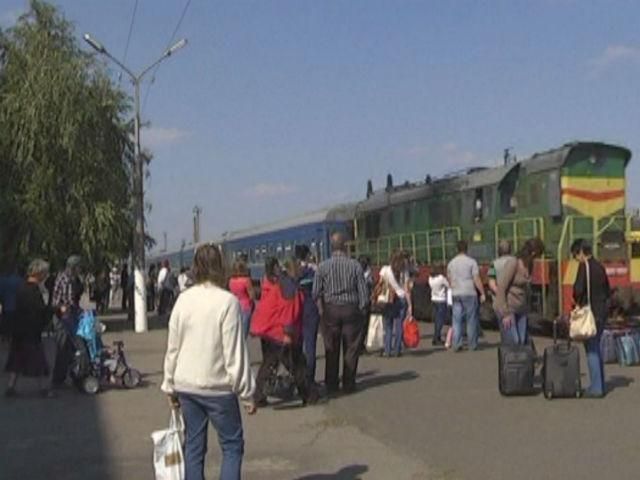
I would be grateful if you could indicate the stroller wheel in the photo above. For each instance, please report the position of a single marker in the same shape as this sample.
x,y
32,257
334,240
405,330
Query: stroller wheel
x,y
131,378
90,385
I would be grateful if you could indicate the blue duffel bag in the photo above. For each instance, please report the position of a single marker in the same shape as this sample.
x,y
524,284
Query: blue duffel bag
x,y
628,354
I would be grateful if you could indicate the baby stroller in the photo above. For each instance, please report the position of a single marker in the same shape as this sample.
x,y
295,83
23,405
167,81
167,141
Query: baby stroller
x,y
93,364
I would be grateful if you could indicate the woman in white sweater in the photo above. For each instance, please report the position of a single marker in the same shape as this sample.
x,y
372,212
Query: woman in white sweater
x,y
206,367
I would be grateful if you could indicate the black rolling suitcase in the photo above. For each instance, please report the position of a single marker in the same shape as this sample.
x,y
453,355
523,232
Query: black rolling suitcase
x,y
561,369
516,369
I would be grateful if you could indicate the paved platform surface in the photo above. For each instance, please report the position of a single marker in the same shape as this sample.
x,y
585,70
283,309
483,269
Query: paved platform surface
x,y
431,414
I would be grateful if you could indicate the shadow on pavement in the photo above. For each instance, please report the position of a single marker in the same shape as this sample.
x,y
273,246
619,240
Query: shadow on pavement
x,y
352,472
618,381
381,380
46,438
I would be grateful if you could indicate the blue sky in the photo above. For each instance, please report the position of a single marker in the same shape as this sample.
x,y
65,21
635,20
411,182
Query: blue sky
x,y
280,107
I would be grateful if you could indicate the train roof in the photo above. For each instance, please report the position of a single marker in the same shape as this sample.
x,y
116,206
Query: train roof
x,y
472,178
336,213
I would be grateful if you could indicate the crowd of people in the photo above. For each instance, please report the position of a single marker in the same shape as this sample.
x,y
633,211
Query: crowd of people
x,y
298,297
207,364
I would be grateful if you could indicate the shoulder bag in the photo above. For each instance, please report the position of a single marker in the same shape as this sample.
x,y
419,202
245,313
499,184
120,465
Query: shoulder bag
x,y
582,323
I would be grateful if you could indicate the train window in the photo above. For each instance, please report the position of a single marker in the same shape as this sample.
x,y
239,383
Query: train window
x,y
321,251
488,201
478,204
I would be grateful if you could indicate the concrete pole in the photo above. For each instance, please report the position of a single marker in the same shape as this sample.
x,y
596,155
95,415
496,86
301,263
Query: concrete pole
x,y
139,292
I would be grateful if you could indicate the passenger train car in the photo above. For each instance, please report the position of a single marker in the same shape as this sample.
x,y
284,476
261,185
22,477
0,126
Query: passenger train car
x,y
277,239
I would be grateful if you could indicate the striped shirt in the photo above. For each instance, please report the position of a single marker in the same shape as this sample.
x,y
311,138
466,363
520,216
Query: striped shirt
x,y
63,291
340,281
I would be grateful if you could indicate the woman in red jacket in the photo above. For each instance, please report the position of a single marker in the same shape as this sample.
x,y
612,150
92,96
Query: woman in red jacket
x,y
277,320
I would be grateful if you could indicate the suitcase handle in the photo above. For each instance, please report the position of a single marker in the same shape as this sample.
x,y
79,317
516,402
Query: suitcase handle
x,y
555,333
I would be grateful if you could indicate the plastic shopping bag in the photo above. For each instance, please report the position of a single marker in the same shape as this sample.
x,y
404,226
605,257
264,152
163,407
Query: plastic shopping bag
x,y
375,334
411,333
168,458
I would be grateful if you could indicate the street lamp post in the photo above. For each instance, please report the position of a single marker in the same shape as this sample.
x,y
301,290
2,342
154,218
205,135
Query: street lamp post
x,y
138,180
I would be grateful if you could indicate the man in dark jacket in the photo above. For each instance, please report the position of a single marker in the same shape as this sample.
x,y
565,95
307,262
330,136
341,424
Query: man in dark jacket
x,y
600,293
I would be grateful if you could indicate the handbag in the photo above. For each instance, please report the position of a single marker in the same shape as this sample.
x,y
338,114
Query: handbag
x,y
375,333
382,297
168,458
411,333
582,323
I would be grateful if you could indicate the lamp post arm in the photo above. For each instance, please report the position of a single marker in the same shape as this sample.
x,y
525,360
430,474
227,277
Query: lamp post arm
x,y
121,65
146,70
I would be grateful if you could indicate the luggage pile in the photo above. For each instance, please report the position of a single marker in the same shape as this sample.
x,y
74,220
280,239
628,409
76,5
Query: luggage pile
x,y
560,369
621,344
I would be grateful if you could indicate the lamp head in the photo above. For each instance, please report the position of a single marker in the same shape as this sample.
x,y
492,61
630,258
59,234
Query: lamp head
x,y
96,45
177,46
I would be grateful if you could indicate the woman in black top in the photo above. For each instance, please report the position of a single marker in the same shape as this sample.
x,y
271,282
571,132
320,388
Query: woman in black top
x,y
26,355
600,294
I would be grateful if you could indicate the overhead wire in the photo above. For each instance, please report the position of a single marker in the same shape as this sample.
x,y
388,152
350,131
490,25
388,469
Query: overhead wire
x,y
126,48
169,45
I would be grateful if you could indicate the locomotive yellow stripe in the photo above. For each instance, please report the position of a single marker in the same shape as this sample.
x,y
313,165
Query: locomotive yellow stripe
x,y
593,208
597,184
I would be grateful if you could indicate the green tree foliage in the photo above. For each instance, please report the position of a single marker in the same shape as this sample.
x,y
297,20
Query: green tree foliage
x,y
65,148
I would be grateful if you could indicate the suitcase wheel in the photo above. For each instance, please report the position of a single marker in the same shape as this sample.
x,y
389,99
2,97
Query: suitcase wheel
x,y
548,395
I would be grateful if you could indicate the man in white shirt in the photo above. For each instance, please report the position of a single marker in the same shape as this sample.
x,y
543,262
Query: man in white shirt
x,y
439,288
164,288
464,277
183,279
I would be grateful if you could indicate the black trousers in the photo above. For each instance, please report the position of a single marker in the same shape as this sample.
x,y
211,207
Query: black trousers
x,y
291,357
151,298
166,301
64,354
342,324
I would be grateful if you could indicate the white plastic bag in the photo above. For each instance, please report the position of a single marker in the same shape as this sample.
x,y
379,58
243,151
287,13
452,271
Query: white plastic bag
x,y
375,334
168,458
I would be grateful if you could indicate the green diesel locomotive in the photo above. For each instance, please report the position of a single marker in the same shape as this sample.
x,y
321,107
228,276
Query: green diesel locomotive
x,y
575,191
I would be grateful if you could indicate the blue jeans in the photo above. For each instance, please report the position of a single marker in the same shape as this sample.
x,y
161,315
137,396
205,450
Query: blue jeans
x,y
310,323
465,309
224,413
246,321
392,324
440,310
517,333
594,360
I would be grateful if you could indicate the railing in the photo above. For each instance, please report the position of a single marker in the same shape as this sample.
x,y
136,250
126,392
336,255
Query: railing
x,y
519,229
429,246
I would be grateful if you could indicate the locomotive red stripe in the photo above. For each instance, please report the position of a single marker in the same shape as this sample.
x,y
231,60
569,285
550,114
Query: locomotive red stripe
x,y
594,196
